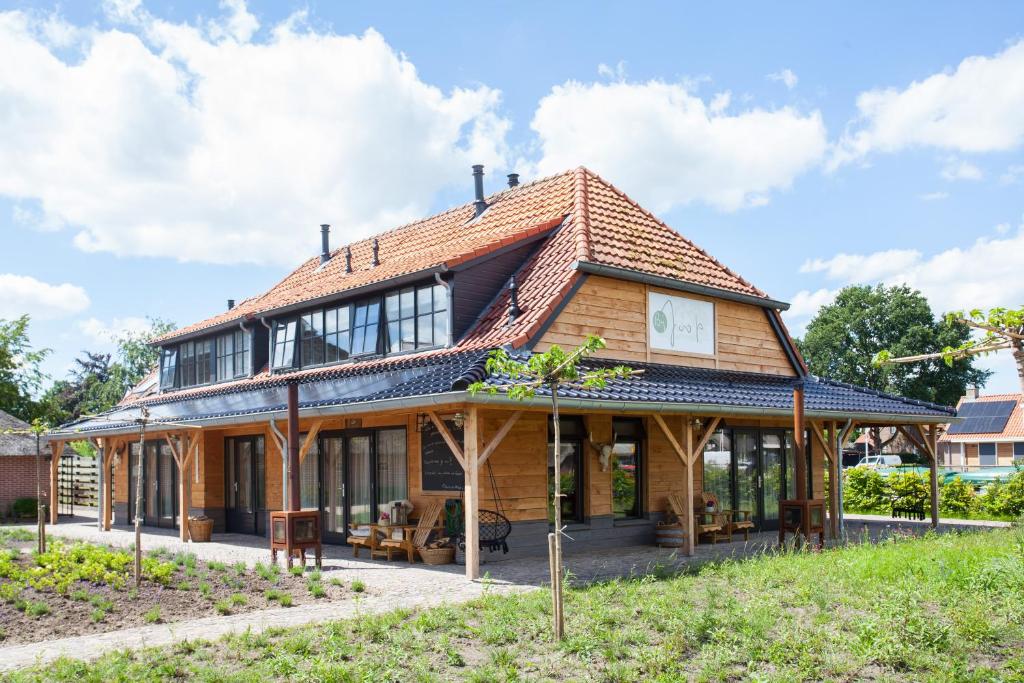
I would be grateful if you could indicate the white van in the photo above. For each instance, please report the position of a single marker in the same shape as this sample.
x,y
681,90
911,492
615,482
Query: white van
x,y
880,461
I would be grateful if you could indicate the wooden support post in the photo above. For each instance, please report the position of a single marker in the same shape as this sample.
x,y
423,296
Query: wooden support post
x,y
108,485
56,451
294,494
309,440
799,444
690,527
471,453
932,441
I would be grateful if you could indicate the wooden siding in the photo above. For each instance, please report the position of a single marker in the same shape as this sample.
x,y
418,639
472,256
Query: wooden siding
x,y
616,310
1004,454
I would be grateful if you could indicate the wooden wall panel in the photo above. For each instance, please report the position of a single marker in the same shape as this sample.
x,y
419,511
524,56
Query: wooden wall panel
x,y
616,310
598,499
665,471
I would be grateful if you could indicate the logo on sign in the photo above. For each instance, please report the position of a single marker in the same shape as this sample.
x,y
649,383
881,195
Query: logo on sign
x,y
681,324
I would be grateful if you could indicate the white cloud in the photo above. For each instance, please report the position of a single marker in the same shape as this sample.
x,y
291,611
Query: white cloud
x,y
982,275
21,294
103,334
667,147
1012,175
199,143
957,169
933,196
806,303
786,77
974,108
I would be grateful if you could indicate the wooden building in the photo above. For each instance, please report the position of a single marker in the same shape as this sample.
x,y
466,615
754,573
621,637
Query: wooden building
x,y
379,340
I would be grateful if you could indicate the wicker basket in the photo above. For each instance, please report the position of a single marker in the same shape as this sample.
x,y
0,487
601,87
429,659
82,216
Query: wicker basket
x,y
438,555
200,529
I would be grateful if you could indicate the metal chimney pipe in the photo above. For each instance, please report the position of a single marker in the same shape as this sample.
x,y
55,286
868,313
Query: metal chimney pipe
x,y
513,179
325,243
348,259
231,304
376,253
478,186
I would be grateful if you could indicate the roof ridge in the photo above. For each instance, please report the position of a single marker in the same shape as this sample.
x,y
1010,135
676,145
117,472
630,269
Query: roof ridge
x,y
668,227
581,206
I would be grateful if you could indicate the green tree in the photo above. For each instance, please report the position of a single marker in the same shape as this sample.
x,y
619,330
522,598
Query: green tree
x,y
97,383
21,374
844,337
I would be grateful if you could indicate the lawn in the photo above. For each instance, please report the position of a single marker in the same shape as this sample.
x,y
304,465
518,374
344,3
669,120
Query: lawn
x,y
81,588
944,607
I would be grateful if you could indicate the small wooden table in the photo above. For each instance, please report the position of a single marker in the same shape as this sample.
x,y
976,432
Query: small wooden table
x,y
387,543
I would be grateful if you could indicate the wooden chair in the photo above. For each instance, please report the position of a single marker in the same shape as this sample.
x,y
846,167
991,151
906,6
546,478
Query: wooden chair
x,y
739,520
409,538
362,536
715,523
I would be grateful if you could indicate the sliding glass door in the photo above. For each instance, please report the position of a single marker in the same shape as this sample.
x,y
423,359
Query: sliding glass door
x,y
243,477
159,484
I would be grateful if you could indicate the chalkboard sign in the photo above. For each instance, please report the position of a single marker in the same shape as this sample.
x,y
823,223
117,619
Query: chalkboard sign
x,y
441,471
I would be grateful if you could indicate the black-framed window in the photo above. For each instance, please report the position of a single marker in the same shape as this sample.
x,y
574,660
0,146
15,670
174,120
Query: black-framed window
x,y
284,344
233,355
568,469
187,368
204,360
196,363
366,327
311,332
336,334
417,318
626,466
168,368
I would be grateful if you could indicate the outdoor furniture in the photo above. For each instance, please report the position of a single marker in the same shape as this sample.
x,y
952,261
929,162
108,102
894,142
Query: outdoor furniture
x,y
494,527
908,510
802,518
739,520
295,532
408,538
362,536
711,520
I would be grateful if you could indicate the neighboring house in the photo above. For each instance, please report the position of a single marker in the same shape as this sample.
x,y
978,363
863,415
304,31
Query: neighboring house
x,y
990,435
374,345
18,463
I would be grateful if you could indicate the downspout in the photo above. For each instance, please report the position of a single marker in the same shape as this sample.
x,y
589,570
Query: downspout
x,y
451,307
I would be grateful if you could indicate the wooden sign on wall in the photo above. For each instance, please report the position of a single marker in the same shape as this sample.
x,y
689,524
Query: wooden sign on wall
x,y
440,470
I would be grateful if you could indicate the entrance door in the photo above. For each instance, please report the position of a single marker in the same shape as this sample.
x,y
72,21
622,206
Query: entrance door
x,y
759,474
772,476
243,473
348,490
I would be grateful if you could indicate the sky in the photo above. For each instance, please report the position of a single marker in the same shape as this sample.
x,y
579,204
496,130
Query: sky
x,y
158,159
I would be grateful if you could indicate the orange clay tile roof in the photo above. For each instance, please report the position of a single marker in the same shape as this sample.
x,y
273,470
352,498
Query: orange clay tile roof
x,y
1014,428
598,222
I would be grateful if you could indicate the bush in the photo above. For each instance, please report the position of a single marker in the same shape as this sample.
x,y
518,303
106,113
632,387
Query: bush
x,y
1005,499
957,497
25,507
864,490
908,489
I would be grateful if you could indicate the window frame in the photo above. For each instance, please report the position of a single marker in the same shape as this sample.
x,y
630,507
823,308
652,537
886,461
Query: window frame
x,y
289,342
994,454
172,354
579,498
1018,451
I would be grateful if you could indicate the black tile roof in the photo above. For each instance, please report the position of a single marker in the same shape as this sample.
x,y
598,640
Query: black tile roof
x,y
439,374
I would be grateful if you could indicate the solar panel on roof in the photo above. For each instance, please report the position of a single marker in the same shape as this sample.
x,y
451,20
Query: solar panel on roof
x,y
983,417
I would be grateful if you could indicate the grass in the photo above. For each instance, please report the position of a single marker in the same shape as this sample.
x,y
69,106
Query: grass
x,y
37,609
946,607
296,570
358,586
152,616
267,572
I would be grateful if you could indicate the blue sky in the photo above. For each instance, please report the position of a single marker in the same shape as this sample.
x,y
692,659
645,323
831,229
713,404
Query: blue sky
x,y
159,159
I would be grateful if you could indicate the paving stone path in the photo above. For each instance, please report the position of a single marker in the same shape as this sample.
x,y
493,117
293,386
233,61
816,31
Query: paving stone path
x,y
392,585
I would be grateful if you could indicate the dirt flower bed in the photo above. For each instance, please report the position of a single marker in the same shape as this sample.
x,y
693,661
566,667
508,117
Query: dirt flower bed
x,y
81,588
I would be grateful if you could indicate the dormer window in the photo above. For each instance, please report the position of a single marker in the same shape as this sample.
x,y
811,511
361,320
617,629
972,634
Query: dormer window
x,y
417,318
196,363
233,355
168,367
366,327
284,345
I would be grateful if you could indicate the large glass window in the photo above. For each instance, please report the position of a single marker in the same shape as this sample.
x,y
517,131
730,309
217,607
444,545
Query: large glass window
x,y
168,368
718,466
417,318
233,354
204,360
188,364
625,464
392,484
309,477
311,331
365,327
567,467
336,334
1018,451
284,344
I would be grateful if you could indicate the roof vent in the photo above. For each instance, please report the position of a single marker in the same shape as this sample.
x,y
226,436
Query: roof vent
x,y
231,304
376,253
513,179
513,300
478,186
325,243
348,259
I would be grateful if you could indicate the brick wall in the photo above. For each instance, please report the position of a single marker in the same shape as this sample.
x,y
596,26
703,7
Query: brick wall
x,y
18,479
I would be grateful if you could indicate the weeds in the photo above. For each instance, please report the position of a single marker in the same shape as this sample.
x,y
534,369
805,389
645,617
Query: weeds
x,y
152,616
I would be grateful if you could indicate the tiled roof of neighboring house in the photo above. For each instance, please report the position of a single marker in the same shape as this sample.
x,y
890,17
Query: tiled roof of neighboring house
x,y
436,373
1014,428
599,224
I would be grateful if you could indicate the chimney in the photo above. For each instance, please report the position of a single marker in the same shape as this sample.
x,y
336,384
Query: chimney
x,y
348,259
231,304
976,391
513,179
325,243
513,300
478,186
376,253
